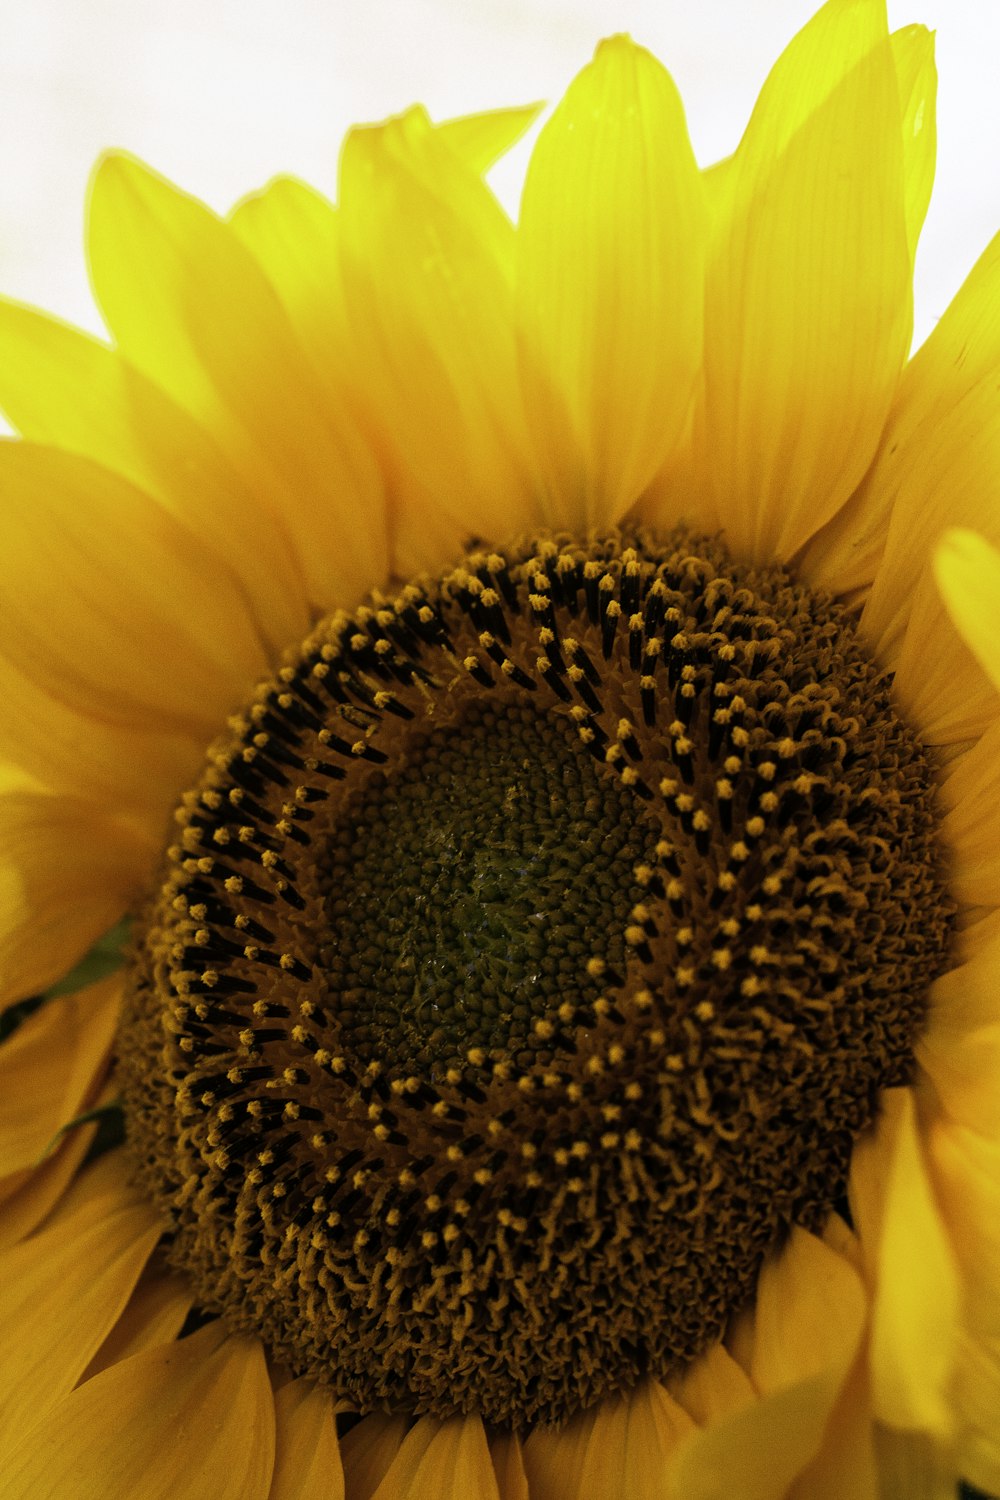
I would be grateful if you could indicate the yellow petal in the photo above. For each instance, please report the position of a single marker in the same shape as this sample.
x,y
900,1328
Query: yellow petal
x,y
49,1070
426,255
915,1466
480,140
846,1464
67,874
368,1450
810,1314
966,1171
178,1422
620,1450
916,1295
713,1386
112,604
507,1454
808,307
293,233
610,264
970,791
916,79
23,1210
938,459
960,1046
449,1460
967,570
153,1315
189,306
306,1455
61,387
62,1289
937,680
136,773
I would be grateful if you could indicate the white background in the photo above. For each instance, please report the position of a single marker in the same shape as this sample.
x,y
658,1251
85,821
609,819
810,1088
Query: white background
x,y
221,94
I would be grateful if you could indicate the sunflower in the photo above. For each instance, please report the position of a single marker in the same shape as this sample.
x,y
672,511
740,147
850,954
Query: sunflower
x,y
531,693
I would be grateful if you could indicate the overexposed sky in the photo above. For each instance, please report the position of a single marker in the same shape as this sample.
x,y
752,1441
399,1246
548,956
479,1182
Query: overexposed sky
x,y
221,94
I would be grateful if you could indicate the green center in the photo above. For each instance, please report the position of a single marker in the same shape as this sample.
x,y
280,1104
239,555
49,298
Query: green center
x,y
470,888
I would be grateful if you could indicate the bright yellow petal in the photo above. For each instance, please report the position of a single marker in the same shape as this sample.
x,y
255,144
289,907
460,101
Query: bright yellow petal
x,y
306,1455
426,255
938,460
67,874
61,387
621,1449
62,1290
178,1422
449,1460
49,1070
808,309
112,605
807,1328
916,78
480,140
189,306
293,233
916,1295
610,263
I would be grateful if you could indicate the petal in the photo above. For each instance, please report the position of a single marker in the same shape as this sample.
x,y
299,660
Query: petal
x,y
938,459
960,1046
62,1290
293,233
306,1455
112,605
25,1208
449,1460
66,875
61,387
368,1450
177,1422
713,1386
610,264
137,773
967,570
809,1318
844,555
937,680
153,1315
916,1295
966,1170
189,306
506,1451
916,79
846,1464
620,1450
480,140
970,791
426,256
49,1070
915,1467
808,305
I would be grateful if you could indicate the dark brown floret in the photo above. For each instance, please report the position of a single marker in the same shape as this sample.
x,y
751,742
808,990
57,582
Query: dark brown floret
x,y
533,950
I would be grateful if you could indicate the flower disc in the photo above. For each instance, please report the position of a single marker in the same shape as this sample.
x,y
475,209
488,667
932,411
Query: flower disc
x,y
534,948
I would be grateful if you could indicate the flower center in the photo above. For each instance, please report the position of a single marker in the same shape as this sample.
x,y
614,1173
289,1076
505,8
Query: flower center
x,y
535,947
